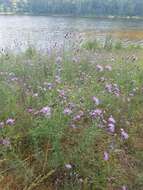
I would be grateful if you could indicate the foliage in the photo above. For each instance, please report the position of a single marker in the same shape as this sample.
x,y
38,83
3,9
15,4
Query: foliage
x,y
71,120
76,7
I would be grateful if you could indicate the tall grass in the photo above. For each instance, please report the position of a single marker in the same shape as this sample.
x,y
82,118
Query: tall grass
x,y
109,44
57,137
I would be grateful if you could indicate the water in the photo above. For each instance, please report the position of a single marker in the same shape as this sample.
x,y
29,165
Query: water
x,y
43,32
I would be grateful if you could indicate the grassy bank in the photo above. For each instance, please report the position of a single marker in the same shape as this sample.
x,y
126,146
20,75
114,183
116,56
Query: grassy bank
x,y
71,120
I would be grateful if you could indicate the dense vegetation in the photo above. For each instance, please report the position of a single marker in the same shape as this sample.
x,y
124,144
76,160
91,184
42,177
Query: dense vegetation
x,y
72,120
75,7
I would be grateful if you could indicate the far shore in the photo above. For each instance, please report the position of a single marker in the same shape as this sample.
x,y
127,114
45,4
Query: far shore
x,y
70,15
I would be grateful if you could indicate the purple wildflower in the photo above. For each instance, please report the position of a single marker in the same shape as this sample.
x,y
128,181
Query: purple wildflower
x,y
30,110
75,60
96,100
124,187
73,126
78,116
116,90
46,111
111,124
6,142
124,135
81,113
111,127
71,105
14,79
96,113
59,60
117,94
67,111
10,121
49,86
111,120
108,87
106,156
113,89
99,68
62,94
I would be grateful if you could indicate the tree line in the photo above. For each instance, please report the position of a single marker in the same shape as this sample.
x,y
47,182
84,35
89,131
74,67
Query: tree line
x,y
75,7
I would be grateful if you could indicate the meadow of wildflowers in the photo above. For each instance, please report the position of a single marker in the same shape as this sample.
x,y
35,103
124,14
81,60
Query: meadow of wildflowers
x,y
71,120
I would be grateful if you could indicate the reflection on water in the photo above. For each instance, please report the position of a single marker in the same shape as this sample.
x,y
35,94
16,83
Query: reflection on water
x,y
42,31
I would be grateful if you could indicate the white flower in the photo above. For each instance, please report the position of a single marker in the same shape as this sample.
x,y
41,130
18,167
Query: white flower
x,y
68,166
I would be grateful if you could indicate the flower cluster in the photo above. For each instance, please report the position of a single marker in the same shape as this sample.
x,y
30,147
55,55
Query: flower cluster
x,y
97,113
46,111
113,88
8,122
111,124
100,68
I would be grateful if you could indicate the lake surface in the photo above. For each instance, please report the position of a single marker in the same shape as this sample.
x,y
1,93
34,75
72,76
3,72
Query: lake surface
x,y
18,32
